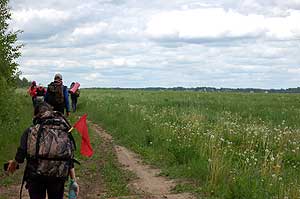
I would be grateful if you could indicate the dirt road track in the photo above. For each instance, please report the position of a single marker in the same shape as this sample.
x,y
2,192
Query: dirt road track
x,y
148,184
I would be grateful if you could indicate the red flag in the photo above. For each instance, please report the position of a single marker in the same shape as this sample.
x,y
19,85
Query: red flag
x,y
81,126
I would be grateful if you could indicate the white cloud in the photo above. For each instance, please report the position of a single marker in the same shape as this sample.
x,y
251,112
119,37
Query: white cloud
x,y
24,17
59,64
89,29
294,70
114,63
290,4
119,62
216,23
92,77
284,27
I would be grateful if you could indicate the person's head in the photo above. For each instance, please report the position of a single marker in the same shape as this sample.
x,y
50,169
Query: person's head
x,y
33,83
73,83
58,76
41,108
41,85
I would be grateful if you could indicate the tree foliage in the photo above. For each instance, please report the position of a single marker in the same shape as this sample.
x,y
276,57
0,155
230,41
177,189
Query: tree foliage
x,y
23,83
9,50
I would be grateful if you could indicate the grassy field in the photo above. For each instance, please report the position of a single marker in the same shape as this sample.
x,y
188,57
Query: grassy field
x,y
229,145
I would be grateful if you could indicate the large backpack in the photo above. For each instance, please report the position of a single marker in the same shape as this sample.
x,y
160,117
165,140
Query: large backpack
x,y
50,147
40,91
55,94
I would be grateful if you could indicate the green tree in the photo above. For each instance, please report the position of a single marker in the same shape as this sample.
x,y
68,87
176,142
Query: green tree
x,y
9,50
23,83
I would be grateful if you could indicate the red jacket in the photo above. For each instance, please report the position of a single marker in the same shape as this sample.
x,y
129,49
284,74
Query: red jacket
x,y
32,91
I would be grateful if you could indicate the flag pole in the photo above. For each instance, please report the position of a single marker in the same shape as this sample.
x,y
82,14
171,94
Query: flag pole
x,y
71,129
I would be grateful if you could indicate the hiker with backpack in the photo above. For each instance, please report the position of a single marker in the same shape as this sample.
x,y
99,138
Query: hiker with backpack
x,y
40,94
48,148
57,95
32,91
74,96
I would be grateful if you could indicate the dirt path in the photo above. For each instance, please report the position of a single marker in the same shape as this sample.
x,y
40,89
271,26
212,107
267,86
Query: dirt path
x,y
12,192
148,184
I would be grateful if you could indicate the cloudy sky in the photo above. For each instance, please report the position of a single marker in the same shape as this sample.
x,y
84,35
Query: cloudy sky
x,y
143,43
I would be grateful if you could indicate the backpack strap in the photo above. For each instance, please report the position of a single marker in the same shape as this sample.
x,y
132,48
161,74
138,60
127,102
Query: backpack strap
x,y
75,161
55,159
55,122
37,146
72,140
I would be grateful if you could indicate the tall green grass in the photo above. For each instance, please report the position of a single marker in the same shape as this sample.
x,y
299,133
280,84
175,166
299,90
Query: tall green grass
x,y
231,145
15,116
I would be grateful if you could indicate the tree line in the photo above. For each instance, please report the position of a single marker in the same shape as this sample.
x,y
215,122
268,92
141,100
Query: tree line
x,y
211,89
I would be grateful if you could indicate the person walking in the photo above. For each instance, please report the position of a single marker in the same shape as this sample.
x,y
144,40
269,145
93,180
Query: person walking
x,y
32,92
74,97
57,95
48,148
40,94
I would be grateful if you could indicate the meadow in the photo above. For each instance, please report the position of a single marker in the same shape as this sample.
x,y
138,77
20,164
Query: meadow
x,y
228,145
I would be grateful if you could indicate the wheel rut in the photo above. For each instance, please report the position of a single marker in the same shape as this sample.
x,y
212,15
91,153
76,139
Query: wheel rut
x,y
148,184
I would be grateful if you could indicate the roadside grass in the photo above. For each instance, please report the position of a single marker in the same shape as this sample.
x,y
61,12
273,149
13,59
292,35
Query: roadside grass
x,y
16,116
231,145
116,179
100,174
